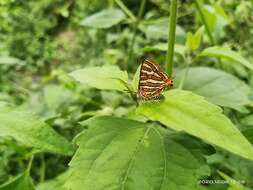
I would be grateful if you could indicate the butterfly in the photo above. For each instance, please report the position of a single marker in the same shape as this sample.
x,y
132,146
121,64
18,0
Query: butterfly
x,y
153,80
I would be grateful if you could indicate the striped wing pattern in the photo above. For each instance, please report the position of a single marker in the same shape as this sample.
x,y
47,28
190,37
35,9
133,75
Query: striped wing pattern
x,y
153,80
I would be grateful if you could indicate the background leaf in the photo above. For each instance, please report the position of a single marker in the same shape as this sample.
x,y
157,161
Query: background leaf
x,y
179,49
54,184
21,182
222,52
233,185
106,77
30,131
216,86
10,60
125,154
183,110
104,19
158,29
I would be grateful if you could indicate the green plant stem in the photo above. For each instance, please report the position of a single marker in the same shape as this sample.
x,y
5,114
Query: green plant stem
x,y
136,24
30,164
203,19
42,169
129,90
208,30
182,81
171,37
188,62
125,10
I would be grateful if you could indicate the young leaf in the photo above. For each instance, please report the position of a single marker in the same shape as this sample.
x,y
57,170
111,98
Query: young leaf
x,y
184,110
116,153
104,19
193,41
222,52
104,78
21,182
216,86
30,131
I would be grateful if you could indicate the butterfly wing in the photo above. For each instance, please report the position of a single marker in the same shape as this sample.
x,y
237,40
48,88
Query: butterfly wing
x,y
152,80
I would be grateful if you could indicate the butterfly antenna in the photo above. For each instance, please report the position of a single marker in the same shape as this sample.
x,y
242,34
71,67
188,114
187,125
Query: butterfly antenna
x,y
128,89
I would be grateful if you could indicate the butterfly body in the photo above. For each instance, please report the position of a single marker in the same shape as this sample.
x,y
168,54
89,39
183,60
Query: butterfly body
x,y
153,80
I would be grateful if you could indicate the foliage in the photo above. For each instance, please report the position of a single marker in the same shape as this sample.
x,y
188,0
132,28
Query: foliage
x,y
101,159
69,113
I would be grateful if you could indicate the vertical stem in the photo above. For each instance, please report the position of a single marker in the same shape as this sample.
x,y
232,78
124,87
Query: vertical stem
x,y
208,31
30,164
42,168
136,24
203,19
186,70
171,36
1,78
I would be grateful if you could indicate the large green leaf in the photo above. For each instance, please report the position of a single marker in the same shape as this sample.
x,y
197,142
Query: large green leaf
x,y
186,111
30,131
116,153
21,182
104,19
106,77
216,86
222,52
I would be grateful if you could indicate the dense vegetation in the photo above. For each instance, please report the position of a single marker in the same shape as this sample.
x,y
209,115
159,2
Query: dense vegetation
x,y
68,120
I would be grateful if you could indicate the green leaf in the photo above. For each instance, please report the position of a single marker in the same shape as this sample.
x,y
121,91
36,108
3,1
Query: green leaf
x,y
21,182
6,60
216,19
233,185
216,86
158,29
104,78
54,184
193,41
248,133
247,120
210,16
186,111
56,95
30,131
226,53
104,19
136,78
116,153
179,49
